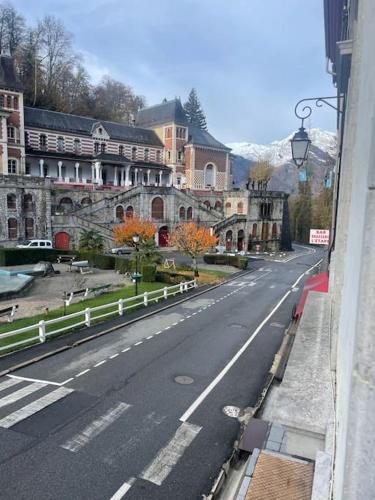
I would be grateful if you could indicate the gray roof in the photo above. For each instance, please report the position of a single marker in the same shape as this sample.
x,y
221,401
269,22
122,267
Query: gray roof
x,y
201,137
8,76
166,112
83,125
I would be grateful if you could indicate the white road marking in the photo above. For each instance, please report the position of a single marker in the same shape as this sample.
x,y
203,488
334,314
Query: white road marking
x,y
95,428
181,320
121,492
174,324
187,317
21,393
27,379
168,456
128,348
139,343
158,333
34,407
67,380
194,313
82,373
302,275
9,383
149,337
295,289
223,372
167,328
100,363
114,356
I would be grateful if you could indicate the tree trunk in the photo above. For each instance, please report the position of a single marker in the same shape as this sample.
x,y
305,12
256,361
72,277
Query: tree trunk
x,y
195,266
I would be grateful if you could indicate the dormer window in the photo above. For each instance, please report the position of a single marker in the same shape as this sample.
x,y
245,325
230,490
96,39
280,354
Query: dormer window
x,y
60,144
100,131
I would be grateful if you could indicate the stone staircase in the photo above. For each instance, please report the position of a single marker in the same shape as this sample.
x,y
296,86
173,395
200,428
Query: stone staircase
x,y
233,219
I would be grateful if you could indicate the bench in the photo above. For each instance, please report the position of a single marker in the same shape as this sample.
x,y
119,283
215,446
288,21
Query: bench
x,y
9,311
65,258
169,264
82,265
98,289
84,292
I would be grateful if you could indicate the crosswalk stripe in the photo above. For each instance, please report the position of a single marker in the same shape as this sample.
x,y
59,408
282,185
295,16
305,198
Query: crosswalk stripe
x,y
21,393
34,407
95,428
9,383
168,456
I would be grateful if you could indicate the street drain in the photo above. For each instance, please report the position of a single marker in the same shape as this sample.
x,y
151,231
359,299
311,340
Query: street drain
x,y
232,411
184,380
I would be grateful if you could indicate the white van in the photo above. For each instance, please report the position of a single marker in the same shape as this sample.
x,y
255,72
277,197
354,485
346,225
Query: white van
x,y
36,244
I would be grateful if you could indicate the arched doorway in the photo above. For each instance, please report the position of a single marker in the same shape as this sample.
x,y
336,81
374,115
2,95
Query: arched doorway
x,y
66,204
62,241
208,204
228,240
240,240
163,236
265,231
86,202
157,208
218,206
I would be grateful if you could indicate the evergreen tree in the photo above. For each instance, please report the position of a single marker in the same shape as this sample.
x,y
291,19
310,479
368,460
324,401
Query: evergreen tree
x,y
194,111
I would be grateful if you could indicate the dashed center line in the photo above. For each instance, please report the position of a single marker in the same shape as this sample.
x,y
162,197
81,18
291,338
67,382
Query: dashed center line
x,y
139,343
100,363
149,337
126,350
82,373
114,356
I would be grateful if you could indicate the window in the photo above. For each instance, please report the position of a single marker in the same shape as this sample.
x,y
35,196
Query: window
x,y
15,102
182,213
228,205
168,133
157,208
11,134
34,244
26,139
189,213
134,153
9,101
121,150
178,179
179,156
102,147
158,156
132,177
29,227
12,166
86,202
42,243
209,175
129,212
265,210
169,155
240,207
2,100
27,202
180,133
145,178
27,168
60,144
146,154
77,146
208,204
43,141
254,231
157,179
96,147
100,130
218,205
66,204
12,228
11,201
120,212
274,230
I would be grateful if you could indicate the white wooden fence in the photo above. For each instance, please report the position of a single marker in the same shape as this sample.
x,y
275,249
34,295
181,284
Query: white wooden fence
x,y
86,317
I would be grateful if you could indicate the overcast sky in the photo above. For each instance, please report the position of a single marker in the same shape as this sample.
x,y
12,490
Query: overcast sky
x,y
250,60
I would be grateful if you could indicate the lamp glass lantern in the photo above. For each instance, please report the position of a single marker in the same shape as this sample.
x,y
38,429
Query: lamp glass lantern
x,y
300,146
135,239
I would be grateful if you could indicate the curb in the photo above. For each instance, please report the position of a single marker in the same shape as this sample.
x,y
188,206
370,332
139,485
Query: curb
x,y
113,328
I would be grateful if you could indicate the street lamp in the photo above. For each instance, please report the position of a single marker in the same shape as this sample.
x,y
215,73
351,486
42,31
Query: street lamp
x,y
136,274
300,146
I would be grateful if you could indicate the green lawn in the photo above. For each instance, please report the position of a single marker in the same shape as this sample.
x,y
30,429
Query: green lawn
x,y
105,298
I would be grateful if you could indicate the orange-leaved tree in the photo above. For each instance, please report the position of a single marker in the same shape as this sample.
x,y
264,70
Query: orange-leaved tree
x,y
193,241
123,233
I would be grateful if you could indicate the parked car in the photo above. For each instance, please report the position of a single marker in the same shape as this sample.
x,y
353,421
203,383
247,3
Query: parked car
x,y
36,244
122,250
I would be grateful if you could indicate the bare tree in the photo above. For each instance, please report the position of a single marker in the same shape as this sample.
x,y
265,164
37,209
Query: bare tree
x,y
12,28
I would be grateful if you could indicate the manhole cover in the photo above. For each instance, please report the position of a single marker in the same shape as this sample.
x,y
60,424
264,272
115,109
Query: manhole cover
x,y
184,380
232,411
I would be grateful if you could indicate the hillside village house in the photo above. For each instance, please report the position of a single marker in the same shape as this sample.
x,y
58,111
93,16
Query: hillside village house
x,y
61,173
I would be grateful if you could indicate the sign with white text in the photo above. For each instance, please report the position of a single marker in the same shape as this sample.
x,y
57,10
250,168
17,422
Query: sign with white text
x,y
319,236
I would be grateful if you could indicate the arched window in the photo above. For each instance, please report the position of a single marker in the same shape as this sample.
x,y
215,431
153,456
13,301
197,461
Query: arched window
x,y
12,228
43,141
11,201
134,153
240,207
228,205
146,154
254,231
120,212
208,204
77,146
121,150
12,166
157,208
209,175
60,144
189,213
182,213
86,201
9,101
228,240
218,206
66,204
274,230
129,212
27,202
265,210
29,227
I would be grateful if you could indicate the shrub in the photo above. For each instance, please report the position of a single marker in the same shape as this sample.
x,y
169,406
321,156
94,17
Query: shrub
x,y
123,265
19,256
171,278
242,262
228,260
97,260
148,272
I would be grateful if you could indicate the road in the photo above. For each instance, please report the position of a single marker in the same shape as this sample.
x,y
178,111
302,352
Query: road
x,y
111,419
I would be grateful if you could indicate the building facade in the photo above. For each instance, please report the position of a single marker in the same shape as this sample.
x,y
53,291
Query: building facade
x,y
61,173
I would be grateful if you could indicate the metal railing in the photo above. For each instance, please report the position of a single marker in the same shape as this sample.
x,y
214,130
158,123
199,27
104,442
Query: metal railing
x,y
39,332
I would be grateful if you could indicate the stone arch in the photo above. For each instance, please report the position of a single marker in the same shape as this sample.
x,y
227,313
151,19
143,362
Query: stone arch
x,y
129,212
182,213
62,240
218,205
157,208
228,240
240,207
163,236
208,204
12,228
189,213
119,213
240,240
66,204
86,201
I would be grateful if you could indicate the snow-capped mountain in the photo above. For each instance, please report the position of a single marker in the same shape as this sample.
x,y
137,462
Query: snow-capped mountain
x,y
278,153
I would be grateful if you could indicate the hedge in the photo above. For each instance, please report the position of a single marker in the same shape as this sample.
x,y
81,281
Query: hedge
x,y
148,272
170,278
20,256
123,265
226,260
97,260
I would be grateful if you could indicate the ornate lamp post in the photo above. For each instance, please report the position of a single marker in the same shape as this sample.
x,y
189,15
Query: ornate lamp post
x,y
136,275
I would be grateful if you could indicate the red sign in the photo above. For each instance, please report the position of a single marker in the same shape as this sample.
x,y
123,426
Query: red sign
x,y
319,236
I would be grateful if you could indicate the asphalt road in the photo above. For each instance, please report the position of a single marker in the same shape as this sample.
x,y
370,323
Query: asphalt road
x,y
109,420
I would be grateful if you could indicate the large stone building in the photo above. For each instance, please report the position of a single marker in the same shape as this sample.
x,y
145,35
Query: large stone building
x,y
61,173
